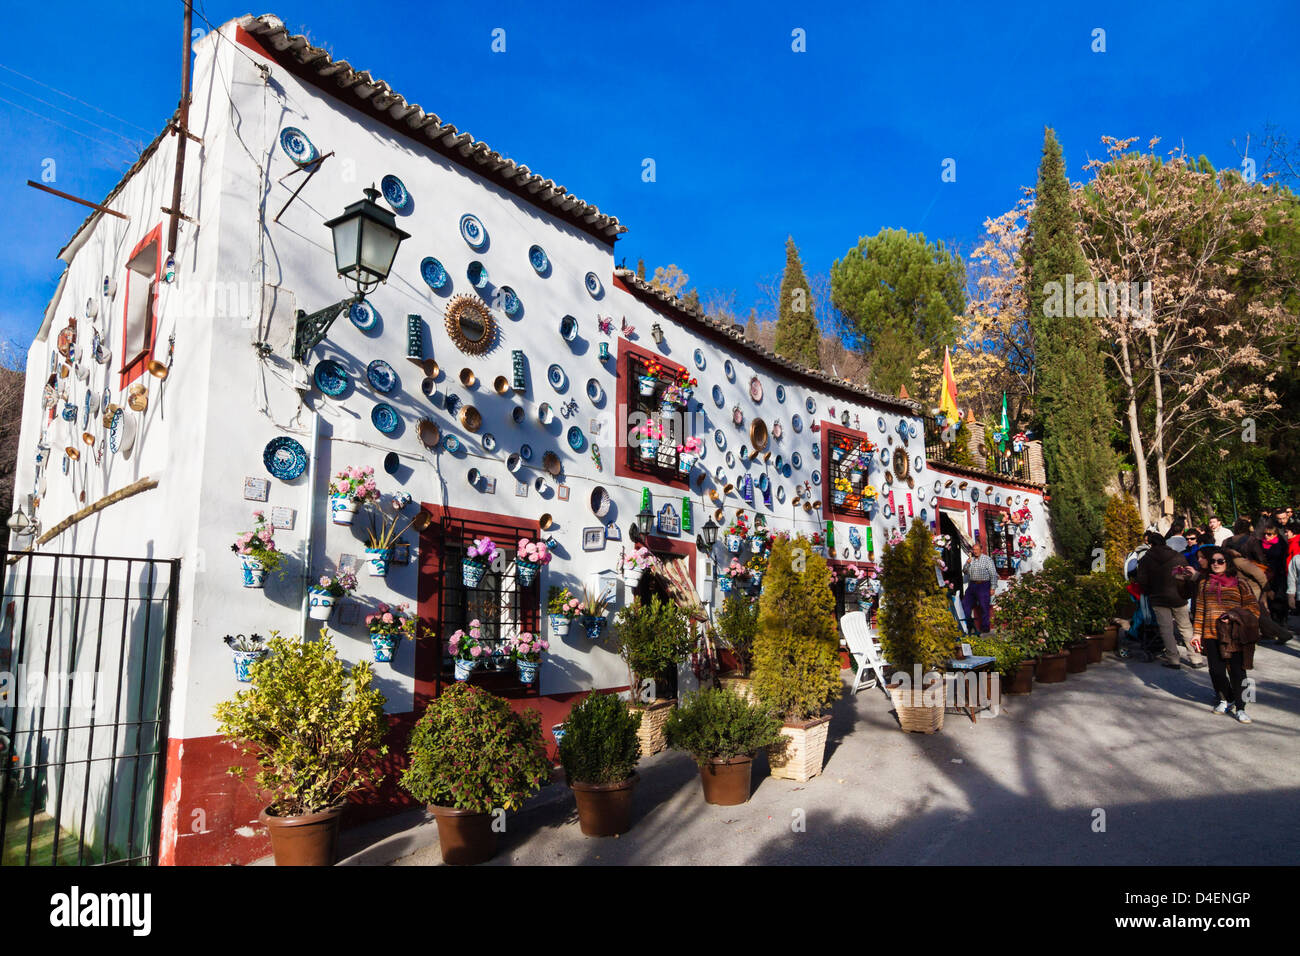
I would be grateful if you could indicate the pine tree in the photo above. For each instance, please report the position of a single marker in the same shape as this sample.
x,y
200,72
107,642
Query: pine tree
x,y
797,334
1072,398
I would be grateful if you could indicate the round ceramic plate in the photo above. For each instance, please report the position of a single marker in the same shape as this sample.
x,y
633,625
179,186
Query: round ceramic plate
x,y
816,450
392,463
477,274
526,452
472,231
510,303
884,456
451,443
764,482
577,440
699,359
796,422
594,391
85,410
717,395
780,393
918,463
115,432
816,477
381,376
780,494
796,460
729,370
880,423
911,429
394,191
974,494
489,441
331,377
731,460
756,389
811,405
432,272
887,512
284,458
537,259
296,145
592,282
362,316
385,418
555,375
720,439
568,328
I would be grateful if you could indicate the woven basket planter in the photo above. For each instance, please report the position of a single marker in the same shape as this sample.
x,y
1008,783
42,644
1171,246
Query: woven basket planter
x,y
804,754
917,718
653,718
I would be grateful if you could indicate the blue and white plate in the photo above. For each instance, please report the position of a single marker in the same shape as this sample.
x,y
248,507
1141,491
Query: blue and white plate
x,y
797,460
395,192
526,452
85,418
594,391
729,370
477,274
451,443
381,376
115,432
555,375
880,423
284,458
699,359
472,231
537,258
796,422
816,450
780,393
592,282
717,395
432,272
489,441
911,429
811,405
577,440
816,477
331,377
720,439
510,303
385,418
884,456
363,316
568,328
105,399
297,146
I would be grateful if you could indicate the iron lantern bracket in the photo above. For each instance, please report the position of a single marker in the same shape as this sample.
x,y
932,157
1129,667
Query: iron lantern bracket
x,y
310,330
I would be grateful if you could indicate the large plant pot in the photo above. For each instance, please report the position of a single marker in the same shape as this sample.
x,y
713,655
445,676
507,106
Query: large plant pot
x,y
311,839
1022,682
1051,668
727,782
653,718
1095,648
1076,661
914,714
465,838
1110,637
604,809
320,604
803,756
560,625
343,509
739,684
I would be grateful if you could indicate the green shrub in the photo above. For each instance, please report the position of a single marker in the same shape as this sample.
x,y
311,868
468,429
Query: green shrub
x,y
737,625
1064,600
1099,595
652,638
1021,611
470,751
316,729
1122,527
916,624
720,724
797,645
600,743
1002,647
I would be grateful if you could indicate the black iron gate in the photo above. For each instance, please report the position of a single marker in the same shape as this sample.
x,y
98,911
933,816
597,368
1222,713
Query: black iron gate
x,y
85,677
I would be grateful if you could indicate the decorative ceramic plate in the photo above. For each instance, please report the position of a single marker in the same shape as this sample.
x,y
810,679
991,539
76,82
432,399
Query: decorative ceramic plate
x,y
577,440
115,432
699,359
756,389
594,391
918,463
526,452
514,462
284,458
568,328
884,456
764,482
510,303
887,512
477,274
392,463
331,377
786,470
780,494
717,395
592,282
729,370
719,476
796,422
974,494
555,375
385,418
777,431
537,259
381,376
911,429
432,272
85,410
297,146
472,231
720,439
731,460
451,443
780,393
816,450
394,191
362,316
744,453
811,405
489,441
797,460
844,418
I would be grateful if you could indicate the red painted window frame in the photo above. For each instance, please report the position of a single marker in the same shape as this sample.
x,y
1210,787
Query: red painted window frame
x,y
627,350
134,366
827,485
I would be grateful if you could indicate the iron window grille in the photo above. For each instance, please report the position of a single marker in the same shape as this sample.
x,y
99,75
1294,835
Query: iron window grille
x,y
1009,463
851,461
641,409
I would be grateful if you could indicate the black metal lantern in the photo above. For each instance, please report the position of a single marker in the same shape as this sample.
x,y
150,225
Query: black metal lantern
x,y
645,520
708,536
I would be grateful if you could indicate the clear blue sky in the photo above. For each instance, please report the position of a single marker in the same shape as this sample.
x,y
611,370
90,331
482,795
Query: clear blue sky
x,y
751,140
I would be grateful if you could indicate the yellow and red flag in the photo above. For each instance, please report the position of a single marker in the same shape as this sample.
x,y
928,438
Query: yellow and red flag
x,y
948,400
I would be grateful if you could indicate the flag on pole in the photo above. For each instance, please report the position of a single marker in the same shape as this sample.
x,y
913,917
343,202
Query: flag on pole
x,y
948,399
1004,429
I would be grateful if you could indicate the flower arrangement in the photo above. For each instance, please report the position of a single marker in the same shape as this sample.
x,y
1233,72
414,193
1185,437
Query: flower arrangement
x,y
739,526
895,537
483,549
733,572
469,646
673,396
1021,515
527,647
1022,609
259,544
691,446
649,431
653,369
358,484
818,539
393,622
245,644
337,585
639,560
560,602
842,485
534,551
686,382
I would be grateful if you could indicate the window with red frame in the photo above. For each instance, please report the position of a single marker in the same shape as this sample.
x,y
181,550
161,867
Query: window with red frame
x,y
850,472
139,318
655,403
999,536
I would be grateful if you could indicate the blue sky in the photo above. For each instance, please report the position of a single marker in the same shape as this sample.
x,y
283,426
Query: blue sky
x,y
751,140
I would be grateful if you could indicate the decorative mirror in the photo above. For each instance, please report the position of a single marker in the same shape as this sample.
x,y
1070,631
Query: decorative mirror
x,y
901,464
758,433
470,325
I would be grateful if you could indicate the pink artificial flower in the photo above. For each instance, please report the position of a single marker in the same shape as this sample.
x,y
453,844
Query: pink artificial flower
x,y
476,651
324,581
383,608
388,619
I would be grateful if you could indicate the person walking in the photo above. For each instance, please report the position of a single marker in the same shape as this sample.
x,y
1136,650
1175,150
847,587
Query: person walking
x,y
981,574
1193,538
1245,541
1219,593
1158,575
1219,532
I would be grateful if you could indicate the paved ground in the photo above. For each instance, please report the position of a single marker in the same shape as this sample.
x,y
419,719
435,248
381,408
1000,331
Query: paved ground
x,y
1177,785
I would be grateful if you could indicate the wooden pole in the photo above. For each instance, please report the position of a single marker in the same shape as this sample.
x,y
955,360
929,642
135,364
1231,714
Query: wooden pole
x,y
84,202
183,126
144,484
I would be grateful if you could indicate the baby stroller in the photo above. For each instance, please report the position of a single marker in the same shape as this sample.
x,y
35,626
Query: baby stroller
x,y
1142,640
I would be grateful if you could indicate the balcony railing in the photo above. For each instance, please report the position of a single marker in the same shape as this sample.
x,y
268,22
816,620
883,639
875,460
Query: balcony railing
x,y
1008,464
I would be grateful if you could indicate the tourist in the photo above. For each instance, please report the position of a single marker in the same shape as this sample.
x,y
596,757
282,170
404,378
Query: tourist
x,y
982,574
1158,575
1275,542
1218,593
1218,531
1245,542
1193,538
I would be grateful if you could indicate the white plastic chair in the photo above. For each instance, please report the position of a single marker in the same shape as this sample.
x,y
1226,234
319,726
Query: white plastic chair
x,y
864,645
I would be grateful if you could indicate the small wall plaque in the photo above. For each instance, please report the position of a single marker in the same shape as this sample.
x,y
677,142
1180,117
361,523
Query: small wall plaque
x,y
562,492
521,489
489,486
256,489
593,539
612,532
348,612
348,562
282,517
401,553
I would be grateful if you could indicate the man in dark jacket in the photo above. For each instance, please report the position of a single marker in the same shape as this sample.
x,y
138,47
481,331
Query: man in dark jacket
x,y
1155,576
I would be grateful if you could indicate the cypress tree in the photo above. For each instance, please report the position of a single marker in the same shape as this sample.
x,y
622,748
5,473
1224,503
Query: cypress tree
x,y
797,334
1072,399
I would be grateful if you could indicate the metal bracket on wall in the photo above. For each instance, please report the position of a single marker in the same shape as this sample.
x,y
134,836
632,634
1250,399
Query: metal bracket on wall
x,y
311,169
310,330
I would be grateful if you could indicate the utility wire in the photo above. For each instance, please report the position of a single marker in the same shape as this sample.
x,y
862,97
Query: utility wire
x,y
112,132
74,99
113,146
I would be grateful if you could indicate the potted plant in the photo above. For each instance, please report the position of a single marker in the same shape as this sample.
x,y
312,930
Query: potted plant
x,y
599,750
735,627
467,651
592,613
688,453
527,650
307,767
852,574
323,595
257,553
687,384
671,399
736,534
721,730
648,380
471,755
562,607
729,575
475,563
1008,657
529,558
840,491
380,540
247,650
756,567
649,434
917,631
797,655
387,626
1065,631
653,637
1022,609
635,564
818,541
349,490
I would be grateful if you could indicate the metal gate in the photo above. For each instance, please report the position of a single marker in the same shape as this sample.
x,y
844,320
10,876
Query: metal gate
x,y
85,676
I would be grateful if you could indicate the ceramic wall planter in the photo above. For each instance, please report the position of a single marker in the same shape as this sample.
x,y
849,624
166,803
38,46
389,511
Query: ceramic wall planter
x,y
632,577
559,625
604,809
253,570
646,384
724,582
686,461
378,561
307,840
243,661
383,645
343,509
463,668
734,543
649,448
803,757
320,604
464,838
594,626
526,572
527,670
727,783
472,571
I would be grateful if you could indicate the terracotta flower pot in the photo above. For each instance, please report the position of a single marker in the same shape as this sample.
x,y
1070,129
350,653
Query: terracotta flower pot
x,y
1076,657
310,839
726,782
604,809
1110,637
1096,644
465,838
1022,682
1051,668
